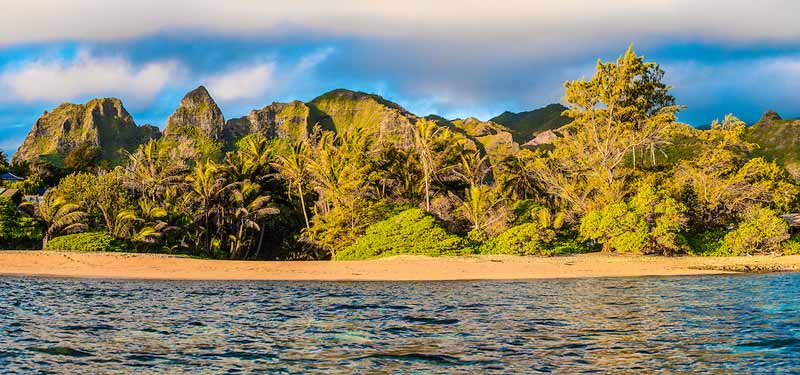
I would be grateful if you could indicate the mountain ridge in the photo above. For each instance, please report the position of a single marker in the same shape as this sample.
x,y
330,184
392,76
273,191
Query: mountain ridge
x,y
338,110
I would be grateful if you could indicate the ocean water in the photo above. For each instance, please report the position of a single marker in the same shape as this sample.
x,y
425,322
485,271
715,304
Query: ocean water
x,y
716,324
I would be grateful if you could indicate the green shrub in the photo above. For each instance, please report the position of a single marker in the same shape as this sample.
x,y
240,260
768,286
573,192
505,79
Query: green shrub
x,y
412,231
525,239
792,245
761,231
91,241
649,222
709,243
532,239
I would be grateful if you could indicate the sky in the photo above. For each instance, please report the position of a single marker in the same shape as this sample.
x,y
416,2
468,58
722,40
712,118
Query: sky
x,y
445,57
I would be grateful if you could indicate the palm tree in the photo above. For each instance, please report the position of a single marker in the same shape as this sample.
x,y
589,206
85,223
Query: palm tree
x,y
152,168
424,136
479,202
59,216
517,179
252,159
293,167
249,207
340,167
205,188
473,168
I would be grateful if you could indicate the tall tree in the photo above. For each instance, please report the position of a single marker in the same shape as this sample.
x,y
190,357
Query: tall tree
x,y
625,106
425,132
205,190
293,166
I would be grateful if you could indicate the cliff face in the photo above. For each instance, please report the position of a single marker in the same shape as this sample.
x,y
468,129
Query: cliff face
x,y
294,120
197,110
104,123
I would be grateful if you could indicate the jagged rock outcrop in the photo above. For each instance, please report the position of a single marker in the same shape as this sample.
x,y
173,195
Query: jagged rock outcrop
x,y
526,125
199,111
104,123
770,116
294,120
494,139
544,138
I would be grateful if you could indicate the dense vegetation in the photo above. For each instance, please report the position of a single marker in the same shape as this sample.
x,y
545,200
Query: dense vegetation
x,y
622,176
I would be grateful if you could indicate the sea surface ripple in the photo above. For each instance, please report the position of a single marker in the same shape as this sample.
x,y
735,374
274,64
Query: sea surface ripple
x,y
675,325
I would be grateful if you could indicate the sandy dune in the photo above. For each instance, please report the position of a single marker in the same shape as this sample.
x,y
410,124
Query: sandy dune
x,y
152,266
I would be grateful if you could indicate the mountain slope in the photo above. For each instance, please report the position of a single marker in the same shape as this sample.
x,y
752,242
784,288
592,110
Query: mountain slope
x,y
344,109
526,125
294,120
778,140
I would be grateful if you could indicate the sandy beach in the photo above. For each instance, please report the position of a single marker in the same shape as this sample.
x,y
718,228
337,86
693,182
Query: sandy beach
x,y
155,266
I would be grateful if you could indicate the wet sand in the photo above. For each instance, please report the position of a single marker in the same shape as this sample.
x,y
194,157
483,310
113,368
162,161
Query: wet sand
x,y
155,266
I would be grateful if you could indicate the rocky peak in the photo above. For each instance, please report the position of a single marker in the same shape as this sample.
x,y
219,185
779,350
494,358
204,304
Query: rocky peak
x,y
770,116
104,123
197,110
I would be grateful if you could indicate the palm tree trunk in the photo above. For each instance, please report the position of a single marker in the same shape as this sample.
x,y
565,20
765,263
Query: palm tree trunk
x,y
303,205
427,191
260,240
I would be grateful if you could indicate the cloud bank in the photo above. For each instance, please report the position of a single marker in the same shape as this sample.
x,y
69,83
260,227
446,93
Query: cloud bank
x,y
49,80
464,23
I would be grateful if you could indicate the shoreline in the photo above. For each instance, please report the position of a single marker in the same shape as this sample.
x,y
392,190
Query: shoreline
x,y
403,268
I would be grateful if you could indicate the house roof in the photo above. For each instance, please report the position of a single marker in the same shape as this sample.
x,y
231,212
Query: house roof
x,y
792,219
8,176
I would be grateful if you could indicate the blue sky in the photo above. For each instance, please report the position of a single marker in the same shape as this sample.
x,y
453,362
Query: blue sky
x,y
452,58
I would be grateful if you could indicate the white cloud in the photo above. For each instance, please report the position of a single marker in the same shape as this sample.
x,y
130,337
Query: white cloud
x,y
261,78
514,24
243,83
86,75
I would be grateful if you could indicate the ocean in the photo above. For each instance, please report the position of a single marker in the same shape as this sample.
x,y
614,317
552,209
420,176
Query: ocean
x,y
707,324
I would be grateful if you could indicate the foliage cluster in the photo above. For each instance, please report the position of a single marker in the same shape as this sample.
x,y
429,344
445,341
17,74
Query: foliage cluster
x,y
410,232
89,241
17,230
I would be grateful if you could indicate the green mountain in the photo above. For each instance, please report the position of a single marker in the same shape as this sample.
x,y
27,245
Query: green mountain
x,y
103,123
343,109
525,126
197,110
778,140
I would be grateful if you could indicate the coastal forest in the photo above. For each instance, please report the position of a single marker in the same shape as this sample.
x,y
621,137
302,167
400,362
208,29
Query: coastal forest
x,y
351,175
